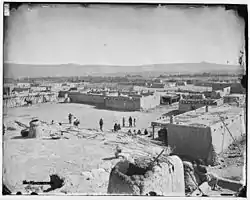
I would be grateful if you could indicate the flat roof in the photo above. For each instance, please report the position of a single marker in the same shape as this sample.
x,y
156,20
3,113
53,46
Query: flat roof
x,y
235,95
199,117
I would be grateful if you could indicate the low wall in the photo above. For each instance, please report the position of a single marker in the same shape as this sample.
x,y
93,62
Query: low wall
x,y
77,97
123,103
17,101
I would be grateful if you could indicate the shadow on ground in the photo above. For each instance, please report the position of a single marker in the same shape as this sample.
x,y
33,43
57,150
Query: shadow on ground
x,y
20,137
173,112
110,158
102,107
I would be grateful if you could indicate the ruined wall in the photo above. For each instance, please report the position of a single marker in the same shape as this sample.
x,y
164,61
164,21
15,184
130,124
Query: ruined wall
x,y
151,101
77,97
123,103
16,101
190,141
167,180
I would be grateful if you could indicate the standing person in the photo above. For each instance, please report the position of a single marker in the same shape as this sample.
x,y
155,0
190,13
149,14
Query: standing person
x,y
74,121
101,124
130,121
145,132
123,122
118,127
70,118
3,129
134,122
115,127
165,132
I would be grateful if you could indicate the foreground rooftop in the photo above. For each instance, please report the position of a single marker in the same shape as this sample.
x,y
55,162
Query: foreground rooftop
x,y
201,118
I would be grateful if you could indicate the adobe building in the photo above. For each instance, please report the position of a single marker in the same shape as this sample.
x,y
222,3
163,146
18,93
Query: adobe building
x,y
181,83
235,99
115,100
220,86
169,99
87,97
134,102
204,133
186,105
237,88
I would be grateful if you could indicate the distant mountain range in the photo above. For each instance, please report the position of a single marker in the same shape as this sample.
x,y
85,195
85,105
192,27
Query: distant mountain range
x,y
12,70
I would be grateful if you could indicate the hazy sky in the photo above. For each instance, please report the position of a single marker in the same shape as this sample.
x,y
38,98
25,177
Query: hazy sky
x,y
123,35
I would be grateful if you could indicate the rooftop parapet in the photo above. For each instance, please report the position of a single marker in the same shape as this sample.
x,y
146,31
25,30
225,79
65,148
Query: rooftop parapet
x,y
199,101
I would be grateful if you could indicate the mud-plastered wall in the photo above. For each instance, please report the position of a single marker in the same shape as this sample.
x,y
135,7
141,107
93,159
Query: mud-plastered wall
x,y
151,101
10,102
123,103
222,138
77,97
192,141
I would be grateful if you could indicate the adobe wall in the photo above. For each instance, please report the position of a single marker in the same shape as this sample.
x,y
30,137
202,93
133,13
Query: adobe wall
x,y
220,86
187,106
17,101
151,101
221,138
205,143
77,97
236,88
234,99
123,103
191,141
167,180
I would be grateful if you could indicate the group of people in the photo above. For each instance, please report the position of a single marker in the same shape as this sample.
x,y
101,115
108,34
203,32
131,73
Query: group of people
x,y
117,126
130,122
73,119
138,132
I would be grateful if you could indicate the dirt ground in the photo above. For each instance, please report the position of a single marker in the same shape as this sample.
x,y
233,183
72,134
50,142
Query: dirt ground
x,y
86,163
35,159
89,116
